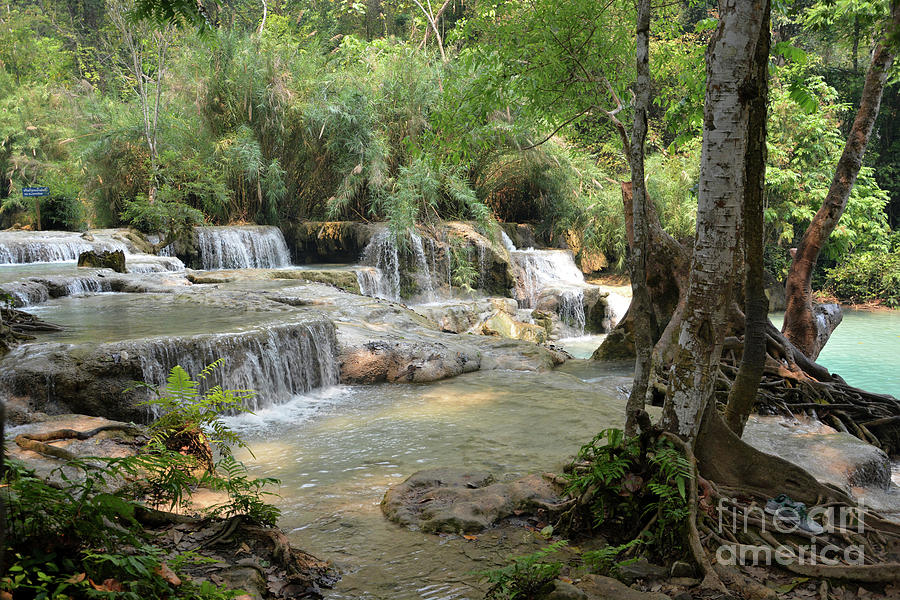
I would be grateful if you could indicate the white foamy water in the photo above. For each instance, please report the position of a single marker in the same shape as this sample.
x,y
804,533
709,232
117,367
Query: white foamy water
x,y
250,247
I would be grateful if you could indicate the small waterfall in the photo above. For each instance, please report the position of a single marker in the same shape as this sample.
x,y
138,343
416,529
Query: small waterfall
x,y
251,247
373,283
537,269
26,293
571,309
277,362
382,253
426,284
35,290
507,243
85,285
18,247
153,264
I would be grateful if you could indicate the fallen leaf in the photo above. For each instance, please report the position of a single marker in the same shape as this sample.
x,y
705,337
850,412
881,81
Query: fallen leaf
x,y
168,575
76,578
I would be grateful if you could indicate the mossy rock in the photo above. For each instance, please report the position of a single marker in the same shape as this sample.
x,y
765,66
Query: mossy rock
x,y
114,260
502,324
341,279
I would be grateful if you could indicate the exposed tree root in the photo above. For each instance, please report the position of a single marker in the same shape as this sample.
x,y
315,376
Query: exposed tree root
x,y
792,385
728,527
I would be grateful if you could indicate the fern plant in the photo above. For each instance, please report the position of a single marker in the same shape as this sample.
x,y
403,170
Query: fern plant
x,y
526,576
190,419
638,495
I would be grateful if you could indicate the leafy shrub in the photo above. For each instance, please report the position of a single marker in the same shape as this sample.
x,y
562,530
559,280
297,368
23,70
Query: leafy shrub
x,y
867,277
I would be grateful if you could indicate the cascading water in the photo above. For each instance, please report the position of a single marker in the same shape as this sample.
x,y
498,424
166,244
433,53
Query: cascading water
x,y
426,285
571,309
278,361
540,270
382,254
18,247
251,247
507,243
386,256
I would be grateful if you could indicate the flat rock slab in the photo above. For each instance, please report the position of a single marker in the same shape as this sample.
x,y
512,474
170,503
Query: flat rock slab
x,y
597,587
458,501
111,443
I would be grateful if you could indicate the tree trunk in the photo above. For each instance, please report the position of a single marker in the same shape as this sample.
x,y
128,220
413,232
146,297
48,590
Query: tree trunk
x,y
730,62
800,324
640,303
742,396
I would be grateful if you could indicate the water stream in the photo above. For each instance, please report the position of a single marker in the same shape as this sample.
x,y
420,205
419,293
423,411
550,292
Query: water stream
x,y
337,451
864,349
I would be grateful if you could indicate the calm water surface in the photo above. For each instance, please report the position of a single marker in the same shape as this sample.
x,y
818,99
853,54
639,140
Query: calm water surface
x,y
864,349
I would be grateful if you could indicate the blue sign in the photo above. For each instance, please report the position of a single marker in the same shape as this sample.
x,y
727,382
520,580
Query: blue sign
x,y
36,191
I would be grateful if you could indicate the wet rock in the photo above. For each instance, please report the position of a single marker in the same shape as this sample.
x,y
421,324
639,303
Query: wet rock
x,y
563,590
681,568
111,443
504,325
642,569
404,362
342,279
114,260
598,587
456,501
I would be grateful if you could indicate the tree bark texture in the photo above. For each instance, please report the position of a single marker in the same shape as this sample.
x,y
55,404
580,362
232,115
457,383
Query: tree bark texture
x,y
730,59
742,396
640,303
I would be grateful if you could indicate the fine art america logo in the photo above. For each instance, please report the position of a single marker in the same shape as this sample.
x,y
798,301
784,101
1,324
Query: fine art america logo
x,y
786,517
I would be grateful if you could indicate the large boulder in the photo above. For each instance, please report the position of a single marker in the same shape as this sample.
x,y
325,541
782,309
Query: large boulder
x,y
101,259
457,501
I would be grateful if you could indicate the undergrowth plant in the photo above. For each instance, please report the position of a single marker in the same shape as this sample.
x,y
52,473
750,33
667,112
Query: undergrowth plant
x,y
75,533
639,495
525,576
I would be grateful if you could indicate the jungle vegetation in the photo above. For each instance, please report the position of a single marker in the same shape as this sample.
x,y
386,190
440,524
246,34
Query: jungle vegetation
x,y
313,110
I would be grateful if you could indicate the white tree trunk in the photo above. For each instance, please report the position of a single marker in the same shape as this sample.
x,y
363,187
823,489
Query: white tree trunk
x,y
717,244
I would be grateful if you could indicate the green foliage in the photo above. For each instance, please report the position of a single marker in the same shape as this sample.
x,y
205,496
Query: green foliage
x,y
188,419
181,406
62,537
867,277
463,270
82,529
803,151
526,576
634,481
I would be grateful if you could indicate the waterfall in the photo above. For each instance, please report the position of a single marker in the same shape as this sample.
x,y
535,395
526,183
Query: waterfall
x,y
507,243
35,290
571,309
426,285
49,246
277,362
381,253
394,265
250,247
373,283
537,269
146,263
